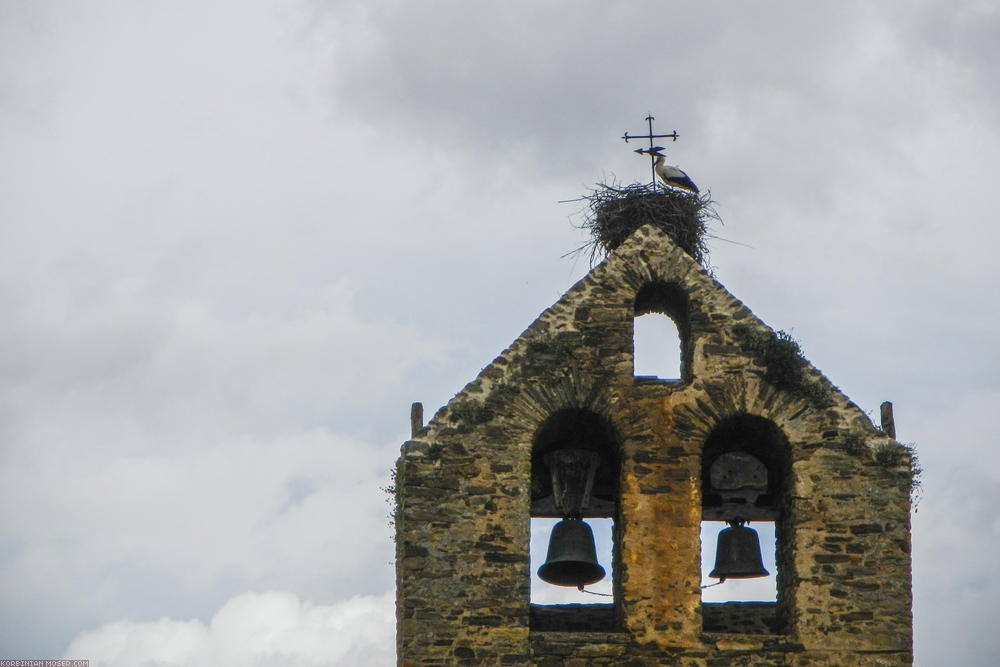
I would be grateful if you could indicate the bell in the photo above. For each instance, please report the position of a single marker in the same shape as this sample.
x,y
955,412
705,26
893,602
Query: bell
x,y
737,555
572,556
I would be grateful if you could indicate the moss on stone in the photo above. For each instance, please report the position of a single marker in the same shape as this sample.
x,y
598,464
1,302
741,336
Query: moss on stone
x,y
854,443
470,413
785,365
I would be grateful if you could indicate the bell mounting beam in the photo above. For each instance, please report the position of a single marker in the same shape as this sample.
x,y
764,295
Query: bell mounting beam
x,y
652,151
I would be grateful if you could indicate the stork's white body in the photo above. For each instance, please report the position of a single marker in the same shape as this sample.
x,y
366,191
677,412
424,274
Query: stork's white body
x,y
673,176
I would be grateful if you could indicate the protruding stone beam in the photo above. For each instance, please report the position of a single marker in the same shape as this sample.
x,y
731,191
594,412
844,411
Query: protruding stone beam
x,y
888,423
416,419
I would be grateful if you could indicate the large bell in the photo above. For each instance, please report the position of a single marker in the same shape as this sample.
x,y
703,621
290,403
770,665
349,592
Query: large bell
x,y
737,555
572,556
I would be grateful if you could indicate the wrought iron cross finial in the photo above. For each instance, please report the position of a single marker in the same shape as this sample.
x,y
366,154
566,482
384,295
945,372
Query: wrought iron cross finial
x,y
653,151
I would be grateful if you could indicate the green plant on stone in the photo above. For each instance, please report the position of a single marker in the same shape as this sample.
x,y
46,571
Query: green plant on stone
x,y
893,454
392,499
784,364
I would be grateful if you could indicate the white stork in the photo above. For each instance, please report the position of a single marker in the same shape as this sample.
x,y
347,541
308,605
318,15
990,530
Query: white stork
x,y
673,176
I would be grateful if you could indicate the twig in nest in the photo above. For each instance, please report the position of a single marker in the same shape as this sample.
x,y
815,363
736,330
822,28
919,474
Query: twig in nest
x,y
617,211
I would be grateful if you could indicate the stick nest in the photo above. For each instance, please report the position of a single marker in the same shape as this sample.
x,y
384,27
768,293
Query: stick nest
x,y
615,212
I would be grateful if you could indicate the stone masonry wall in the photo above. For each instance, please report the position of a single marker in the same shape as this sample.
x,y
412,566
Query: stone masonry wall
x,y
463,498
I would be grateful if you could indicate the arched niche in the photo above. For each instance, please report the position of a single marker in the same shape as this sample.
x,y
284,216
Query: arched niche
x,y
745,476
588,436
580,429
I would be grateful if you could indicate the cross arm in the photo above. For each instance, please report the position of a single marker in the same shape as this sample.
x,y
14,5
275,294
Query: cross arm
x,y
673,135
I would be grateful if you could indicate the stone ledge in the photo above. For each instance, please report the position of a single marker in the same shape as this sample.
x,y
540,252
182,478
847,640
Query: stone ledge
x,y
740,618
574,619
734,641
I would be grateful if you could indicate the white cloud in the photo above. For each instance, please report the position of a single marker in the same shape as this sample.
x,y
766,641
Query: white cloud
x,y
275,629
130,535
170,459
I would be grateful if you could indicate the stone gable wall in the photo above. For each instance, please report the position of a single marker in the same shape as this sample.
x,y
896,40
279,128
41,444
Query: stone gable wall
x,y
463,500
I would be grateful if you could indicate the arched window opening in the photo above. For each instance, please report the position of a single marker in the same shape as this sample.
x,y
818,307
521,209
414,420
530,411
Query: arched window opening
x,y
574,494
657,347
661,340
746,575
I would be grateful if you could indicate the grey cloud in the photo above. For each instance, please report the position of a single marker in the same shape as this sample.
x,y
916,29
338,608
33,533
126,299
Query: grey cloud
x,y
237,245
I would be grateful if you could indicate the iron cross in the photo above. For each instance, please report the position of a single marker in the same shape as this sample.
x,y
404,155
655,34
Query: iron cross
x,y
653,151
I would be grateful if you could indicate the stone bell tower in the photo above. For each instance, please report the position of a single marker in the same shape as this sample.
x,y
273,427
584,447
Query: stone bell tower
x,y
560,426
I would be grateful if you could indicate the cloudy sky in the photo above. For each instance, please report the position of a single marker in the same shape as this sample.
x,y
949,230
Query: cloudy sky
x,y
238,239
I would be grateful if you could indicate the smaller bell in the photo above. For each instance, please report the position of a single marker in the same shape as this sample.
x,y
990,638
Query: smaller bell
x,y
737,555
572,557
